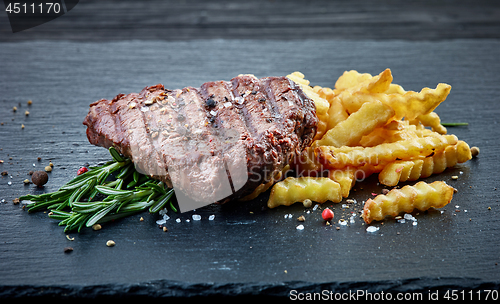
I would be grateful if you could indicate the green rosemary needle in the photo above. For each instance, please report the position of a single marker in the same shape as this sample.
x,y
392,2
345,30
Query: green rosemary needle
x,y
454,124
74,206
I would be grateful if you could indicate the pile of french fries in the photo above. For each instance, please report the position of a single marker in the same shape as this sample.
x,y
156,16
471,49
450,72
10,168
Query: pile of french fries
x,y
369,125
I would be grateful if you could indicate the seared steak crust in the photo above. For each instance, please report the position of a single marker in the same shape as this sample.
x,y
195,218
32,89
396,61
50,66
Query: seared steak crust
x,y
181,136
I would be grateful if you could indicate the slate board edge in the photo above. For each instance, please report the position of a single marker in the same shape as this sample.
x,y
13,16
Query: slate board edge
x,y
175,289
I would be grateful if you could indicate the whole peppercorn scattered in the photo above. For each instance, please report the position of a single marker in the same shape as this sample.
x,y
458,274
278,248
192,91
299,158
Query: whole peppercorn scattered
x,y
82,170
474,151
327,214
39,178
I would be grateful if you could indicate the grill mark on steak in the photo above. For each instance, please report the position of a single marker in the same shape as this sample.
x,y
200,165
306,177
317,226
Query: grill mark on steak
x,y
270,120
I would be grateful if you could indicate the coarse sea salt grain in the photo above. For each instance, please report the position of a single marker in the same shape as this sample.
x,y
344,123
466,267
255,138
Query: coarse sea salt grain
x,y
178,220
300,227
409,217
211,217
161,222
196,217
372,229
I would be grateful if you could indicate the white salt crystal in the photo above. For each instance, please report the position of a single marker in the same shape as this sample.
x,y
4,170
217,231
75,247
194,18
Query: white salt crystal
x,y
300,227
160,222
402,221
166,217
227,104
178,220
342,222
196,217
372,229
211,217
415,224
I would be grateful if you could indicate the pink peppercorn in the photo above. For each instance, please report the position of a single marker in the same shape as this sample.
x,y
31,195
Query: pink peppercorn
x,y
82,170
327,214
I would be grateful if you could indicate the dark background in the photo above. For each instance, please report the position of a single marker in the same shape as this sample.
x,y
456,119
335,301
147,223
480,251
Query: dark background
x,y
103,48
268,19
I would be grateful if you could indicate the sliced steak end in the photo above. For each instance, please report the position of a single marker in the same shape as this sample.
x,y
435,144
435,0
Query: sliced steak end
x,y
214,143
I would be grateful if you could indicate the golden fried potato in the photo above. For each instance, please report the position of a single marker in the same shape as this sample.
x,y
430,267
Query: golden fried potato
x,y
336,113
345,178
409,105
394,131
371,115
350,79
266,185
353,82
411,170
399,171
422,196
297,189
430,120
337,158
368,125
325,93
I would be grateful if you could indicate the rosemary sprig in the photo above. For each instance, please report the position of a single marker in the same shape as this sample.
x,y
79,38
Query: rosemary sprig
x,y
454,124
128,193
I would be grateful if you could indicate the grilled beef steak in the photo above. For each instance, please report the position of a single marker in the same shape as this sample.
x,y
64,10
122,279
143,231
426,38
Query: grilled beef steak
x,y
214,143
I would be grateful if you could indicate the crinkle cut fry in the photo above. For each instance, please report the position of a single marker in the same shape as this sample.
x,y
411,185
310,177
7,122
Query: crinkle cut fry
x,y
432,120
411,170
408,105
370,116
422,196
297,189
336,158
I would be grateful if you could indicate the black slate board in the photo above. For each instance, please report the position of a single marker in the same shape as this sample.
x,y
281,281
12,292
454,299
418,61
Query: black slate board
x,y
247,250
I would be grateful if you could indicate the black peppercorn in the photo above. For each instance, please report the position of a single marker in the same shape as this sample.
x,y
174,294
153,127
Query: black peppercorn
x,y
210,103
39,178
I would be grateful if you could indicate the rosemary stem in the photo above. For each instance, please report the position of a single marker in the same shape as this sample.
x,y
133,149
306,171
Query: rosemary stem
x,y
128,193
